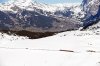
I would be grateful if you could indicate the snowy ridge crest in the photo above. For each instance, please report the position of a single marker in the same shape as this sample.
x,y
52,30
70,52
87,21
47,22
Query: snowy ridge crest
x,y
30,5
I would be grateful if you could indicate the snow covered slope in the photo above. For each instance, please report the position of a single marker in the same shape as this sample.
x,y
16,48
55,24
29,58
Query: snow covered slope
x,y
31,5
73,48
52,8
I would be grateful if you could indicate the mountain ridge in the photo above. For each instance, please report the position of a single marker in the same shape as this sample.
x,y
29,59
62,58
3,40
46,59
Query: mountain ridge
x,y
39,17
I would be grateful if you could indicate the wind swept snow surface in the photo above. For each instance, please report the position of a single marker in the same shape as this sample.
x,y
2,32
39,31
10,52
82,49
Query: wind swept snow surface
x,y
75,48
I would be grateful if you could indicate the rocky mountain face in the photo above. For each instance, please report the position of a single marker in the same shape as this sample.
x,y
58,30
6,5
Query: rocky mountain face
x,y
92,12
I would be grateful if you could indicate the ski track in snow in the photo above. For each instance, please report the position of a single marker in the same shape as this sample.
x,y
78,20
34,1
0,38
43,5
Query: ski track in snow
x,y
75,48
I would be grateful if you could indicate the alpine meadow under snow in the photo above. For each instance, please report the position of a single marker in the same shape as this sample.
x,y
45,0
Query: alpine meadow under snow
x,y
38,34
75,48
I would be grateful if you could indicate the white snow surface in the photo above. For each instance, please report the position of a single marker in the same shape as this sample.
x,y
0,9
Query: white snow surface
x,y
31,5
73,48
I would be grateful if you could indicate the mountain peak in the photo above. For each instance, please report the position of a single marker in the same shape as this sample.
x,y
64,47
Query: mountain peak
x,y
91,6
20,2
31,5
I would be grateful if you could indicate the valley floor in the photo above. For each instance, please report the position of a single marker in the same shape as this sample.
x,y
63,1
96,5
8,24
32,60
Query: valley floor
x,y
73,48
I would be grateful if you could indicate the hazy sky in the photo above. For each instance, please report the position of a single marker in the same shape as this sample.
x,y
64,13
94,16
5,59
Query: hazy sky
x,y
54,1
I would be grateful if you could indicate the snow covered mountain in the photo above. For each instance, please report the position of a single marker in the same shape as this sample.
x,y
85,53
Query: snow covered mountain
x,y
30,5
28,15
70,9
92,12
